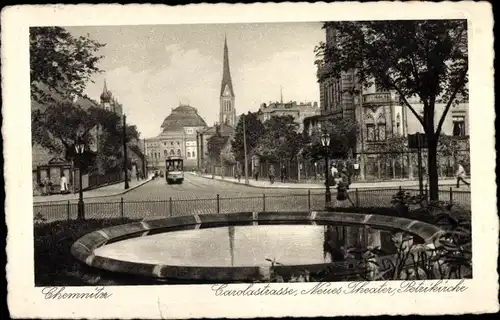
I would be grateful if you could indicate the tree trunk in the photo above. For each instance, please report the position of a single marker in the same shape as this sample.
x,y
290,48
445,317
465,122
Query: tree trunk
x,y
393,168
432,168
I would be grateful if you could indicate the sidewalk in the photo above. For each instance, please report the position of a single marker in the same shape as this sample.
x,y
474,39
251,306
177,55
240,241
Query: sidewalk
x,y
355,185
106,191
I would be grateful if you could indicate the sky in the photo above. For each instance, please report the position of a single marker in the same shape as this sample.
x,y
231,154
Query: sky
x,y
152,69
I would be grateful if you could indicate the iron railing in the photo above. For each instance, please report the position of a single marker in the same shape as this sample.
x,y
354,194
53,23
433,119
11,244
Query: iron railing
x,y
96,181
152,209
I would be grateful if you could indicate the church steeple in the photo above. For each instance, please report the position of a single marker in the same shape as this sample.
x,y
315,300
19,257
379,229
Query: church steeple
x,y
227,114
226,73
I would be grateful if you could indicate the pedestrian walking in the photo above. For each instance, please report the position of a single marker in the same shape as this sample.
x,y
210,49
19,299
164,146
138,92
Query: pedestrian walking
x,y
238,173
283,173
356,169
334,172
271,174
64,184
256,174
138,174
342,190
460,174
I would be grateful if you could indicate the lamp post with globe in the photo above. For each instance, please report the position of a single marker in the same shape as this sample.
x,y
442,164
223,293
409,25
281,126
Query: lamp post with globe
x,y
80,149
325,142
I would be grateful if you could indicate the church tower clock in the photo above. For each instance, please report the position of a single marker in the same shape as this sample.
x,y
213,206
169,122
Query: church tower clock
x,y
227,112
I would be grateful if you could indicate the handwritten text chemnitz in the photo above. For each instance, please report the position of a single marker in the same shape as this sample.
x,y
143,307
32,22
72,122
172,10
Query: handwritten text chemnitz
x,y
61,293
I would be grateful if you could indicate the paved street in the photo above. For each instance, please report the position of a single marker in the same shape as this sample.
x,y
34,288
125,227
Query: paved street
x,y
198,187
198,195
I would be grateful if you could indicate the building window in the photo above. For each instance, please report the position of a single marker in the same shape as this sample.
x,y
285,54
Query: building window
x,y
189,154
172,152
178,143
381,132
165,153
179,152
459,126
398,124
370,132
171,143
194,154
381,128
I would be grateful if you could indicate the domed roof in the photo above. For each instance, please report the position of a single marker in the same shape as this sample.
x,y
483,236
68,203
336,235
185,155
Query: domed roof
x,y
106,96
182,116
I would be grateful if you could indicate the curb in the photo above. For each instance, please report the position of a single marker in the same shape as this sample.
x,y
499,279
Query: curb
x,y
314,187
262,187
97,196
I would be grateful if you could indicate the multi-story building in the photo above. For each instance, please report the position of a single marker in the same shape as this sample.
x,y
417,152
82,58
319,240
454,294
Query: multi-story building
x,y
299,111
379,115
178,138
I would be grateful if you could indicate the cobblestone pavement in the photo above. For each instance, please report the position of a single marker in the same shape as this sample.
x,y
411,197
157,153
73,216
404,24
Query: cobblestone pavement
x,y
198,195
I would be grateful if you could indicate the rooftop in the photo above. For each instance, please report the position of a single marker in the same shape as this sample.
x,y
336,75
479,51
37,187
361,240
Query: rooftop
x,y
182,116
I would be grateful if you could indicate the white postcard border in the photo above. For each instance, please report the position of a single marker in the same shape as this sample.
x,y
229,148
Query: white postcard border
x,y
199,301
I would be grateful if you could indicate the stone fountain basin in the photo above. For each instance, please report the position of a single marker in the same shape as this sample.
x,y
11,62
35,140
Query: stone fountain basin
x,y
87,248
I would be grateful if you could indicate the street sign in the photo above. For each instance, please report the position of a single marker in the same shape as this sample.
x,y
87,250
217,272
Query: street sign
x,y
417,141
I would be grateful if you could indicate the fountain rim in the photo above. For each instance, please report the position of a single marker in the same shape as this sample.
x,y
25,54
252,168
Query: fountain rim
x,y
83,248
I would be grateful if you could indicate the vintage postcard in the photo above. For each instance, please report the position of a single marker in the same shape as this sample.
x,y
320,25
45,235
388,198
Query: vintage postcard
x,y
241,161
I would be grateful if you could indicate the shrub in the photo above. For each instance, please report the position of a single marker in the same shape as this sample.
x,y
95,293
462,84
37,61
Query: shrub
x,y
54,264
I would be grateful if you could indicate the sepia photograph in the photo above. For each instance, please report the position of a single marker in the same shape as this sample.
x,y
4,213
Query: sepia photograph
x,y
319,151
164,168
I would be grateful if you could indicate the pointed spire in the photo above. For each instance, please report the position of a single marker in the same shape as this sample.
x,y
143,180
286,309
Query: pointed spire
x,y
106,94
226,72
281,94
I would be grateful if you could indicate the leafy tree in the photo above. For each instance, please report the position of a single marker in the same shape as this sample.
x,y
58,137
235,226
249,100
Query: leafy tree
x,y
60,63
392,149
280,139
227,156
215,145
254,130
110,135
342,134
58,127
456,149
426,59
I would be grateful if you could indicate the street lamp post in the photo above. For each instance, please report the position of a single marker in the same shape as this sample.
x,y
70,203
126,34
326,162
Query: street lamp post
x,y
125,164
245,148
198,151
144,166
325,141
80,148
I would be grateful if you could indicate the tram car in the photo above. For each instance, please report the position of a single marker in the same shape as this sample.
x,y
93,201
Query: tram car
x,y
174,167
